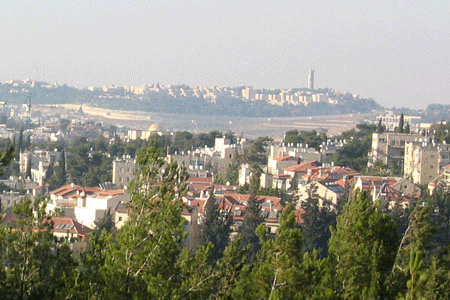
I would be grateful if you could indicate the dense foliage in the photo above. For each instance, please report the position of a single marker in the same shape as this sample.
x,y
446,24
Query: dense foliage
x,y
354,153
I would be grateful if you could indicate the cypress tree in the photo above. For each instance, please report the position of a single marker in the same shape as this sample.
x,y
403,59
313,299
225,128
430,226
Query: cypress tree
x,y
401,123
380,127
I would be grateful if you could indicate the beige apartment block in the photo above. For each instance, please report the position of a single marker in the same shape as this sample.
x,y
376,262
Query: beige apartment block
x,y
389,147
425,161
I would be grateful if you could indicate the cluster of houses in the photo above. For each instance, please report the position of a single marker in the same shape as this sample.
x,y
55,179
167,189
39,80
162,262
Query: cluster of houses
x,y
294,168
298,169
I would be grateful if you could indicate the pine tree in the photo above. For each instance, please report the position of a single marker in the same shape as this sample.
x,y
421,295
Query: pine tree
x,y
437,285
440,201
284,258
32,264
247,231
215,228
415,283
416,237
364,243
196,275
277,269
317,221
142,261
229,269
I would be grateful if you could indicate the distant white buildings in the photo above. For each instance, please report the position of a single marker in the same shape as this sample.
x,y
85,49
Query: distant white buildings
x,y
391,121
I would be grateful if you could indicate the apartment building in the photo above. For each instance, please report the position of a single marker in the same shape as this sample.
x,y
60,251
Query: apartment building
x,y
123,171
389,148
424,161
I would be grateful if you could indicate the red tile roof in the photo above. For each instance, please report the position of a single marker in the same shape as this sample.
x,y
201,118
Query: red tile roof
x,y
298,215
66,189
73,188
368,182
285,157
115,192
235,199
303,167
331,173
66,224
199,180
8,219
200,203
283,176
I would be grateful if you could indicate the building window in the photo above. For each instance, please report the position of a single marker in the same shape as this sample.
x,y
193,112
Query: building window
x,y
120,219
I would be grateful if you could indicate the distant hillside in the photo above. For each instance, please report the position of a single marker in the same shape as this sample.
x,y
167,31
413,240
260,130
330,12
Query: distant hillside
x,y
436,113
182,99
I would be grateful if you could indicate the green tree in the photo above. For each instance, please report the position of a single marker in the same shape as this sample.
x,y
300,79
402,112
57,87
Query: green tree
x,y
87,166
6,156
440,201
32,264
228,270
401,123
215,228
312,138
254,185
407,128
380,127
415,284
438,276
197,275
354,154
282,259
255,151
364,243
56,176
232,171
416,237
317,221
142,261
247,230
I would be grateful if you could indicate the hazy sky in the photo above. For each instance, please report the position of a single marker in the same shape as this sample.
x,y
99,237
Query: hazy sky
x,y
397,52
